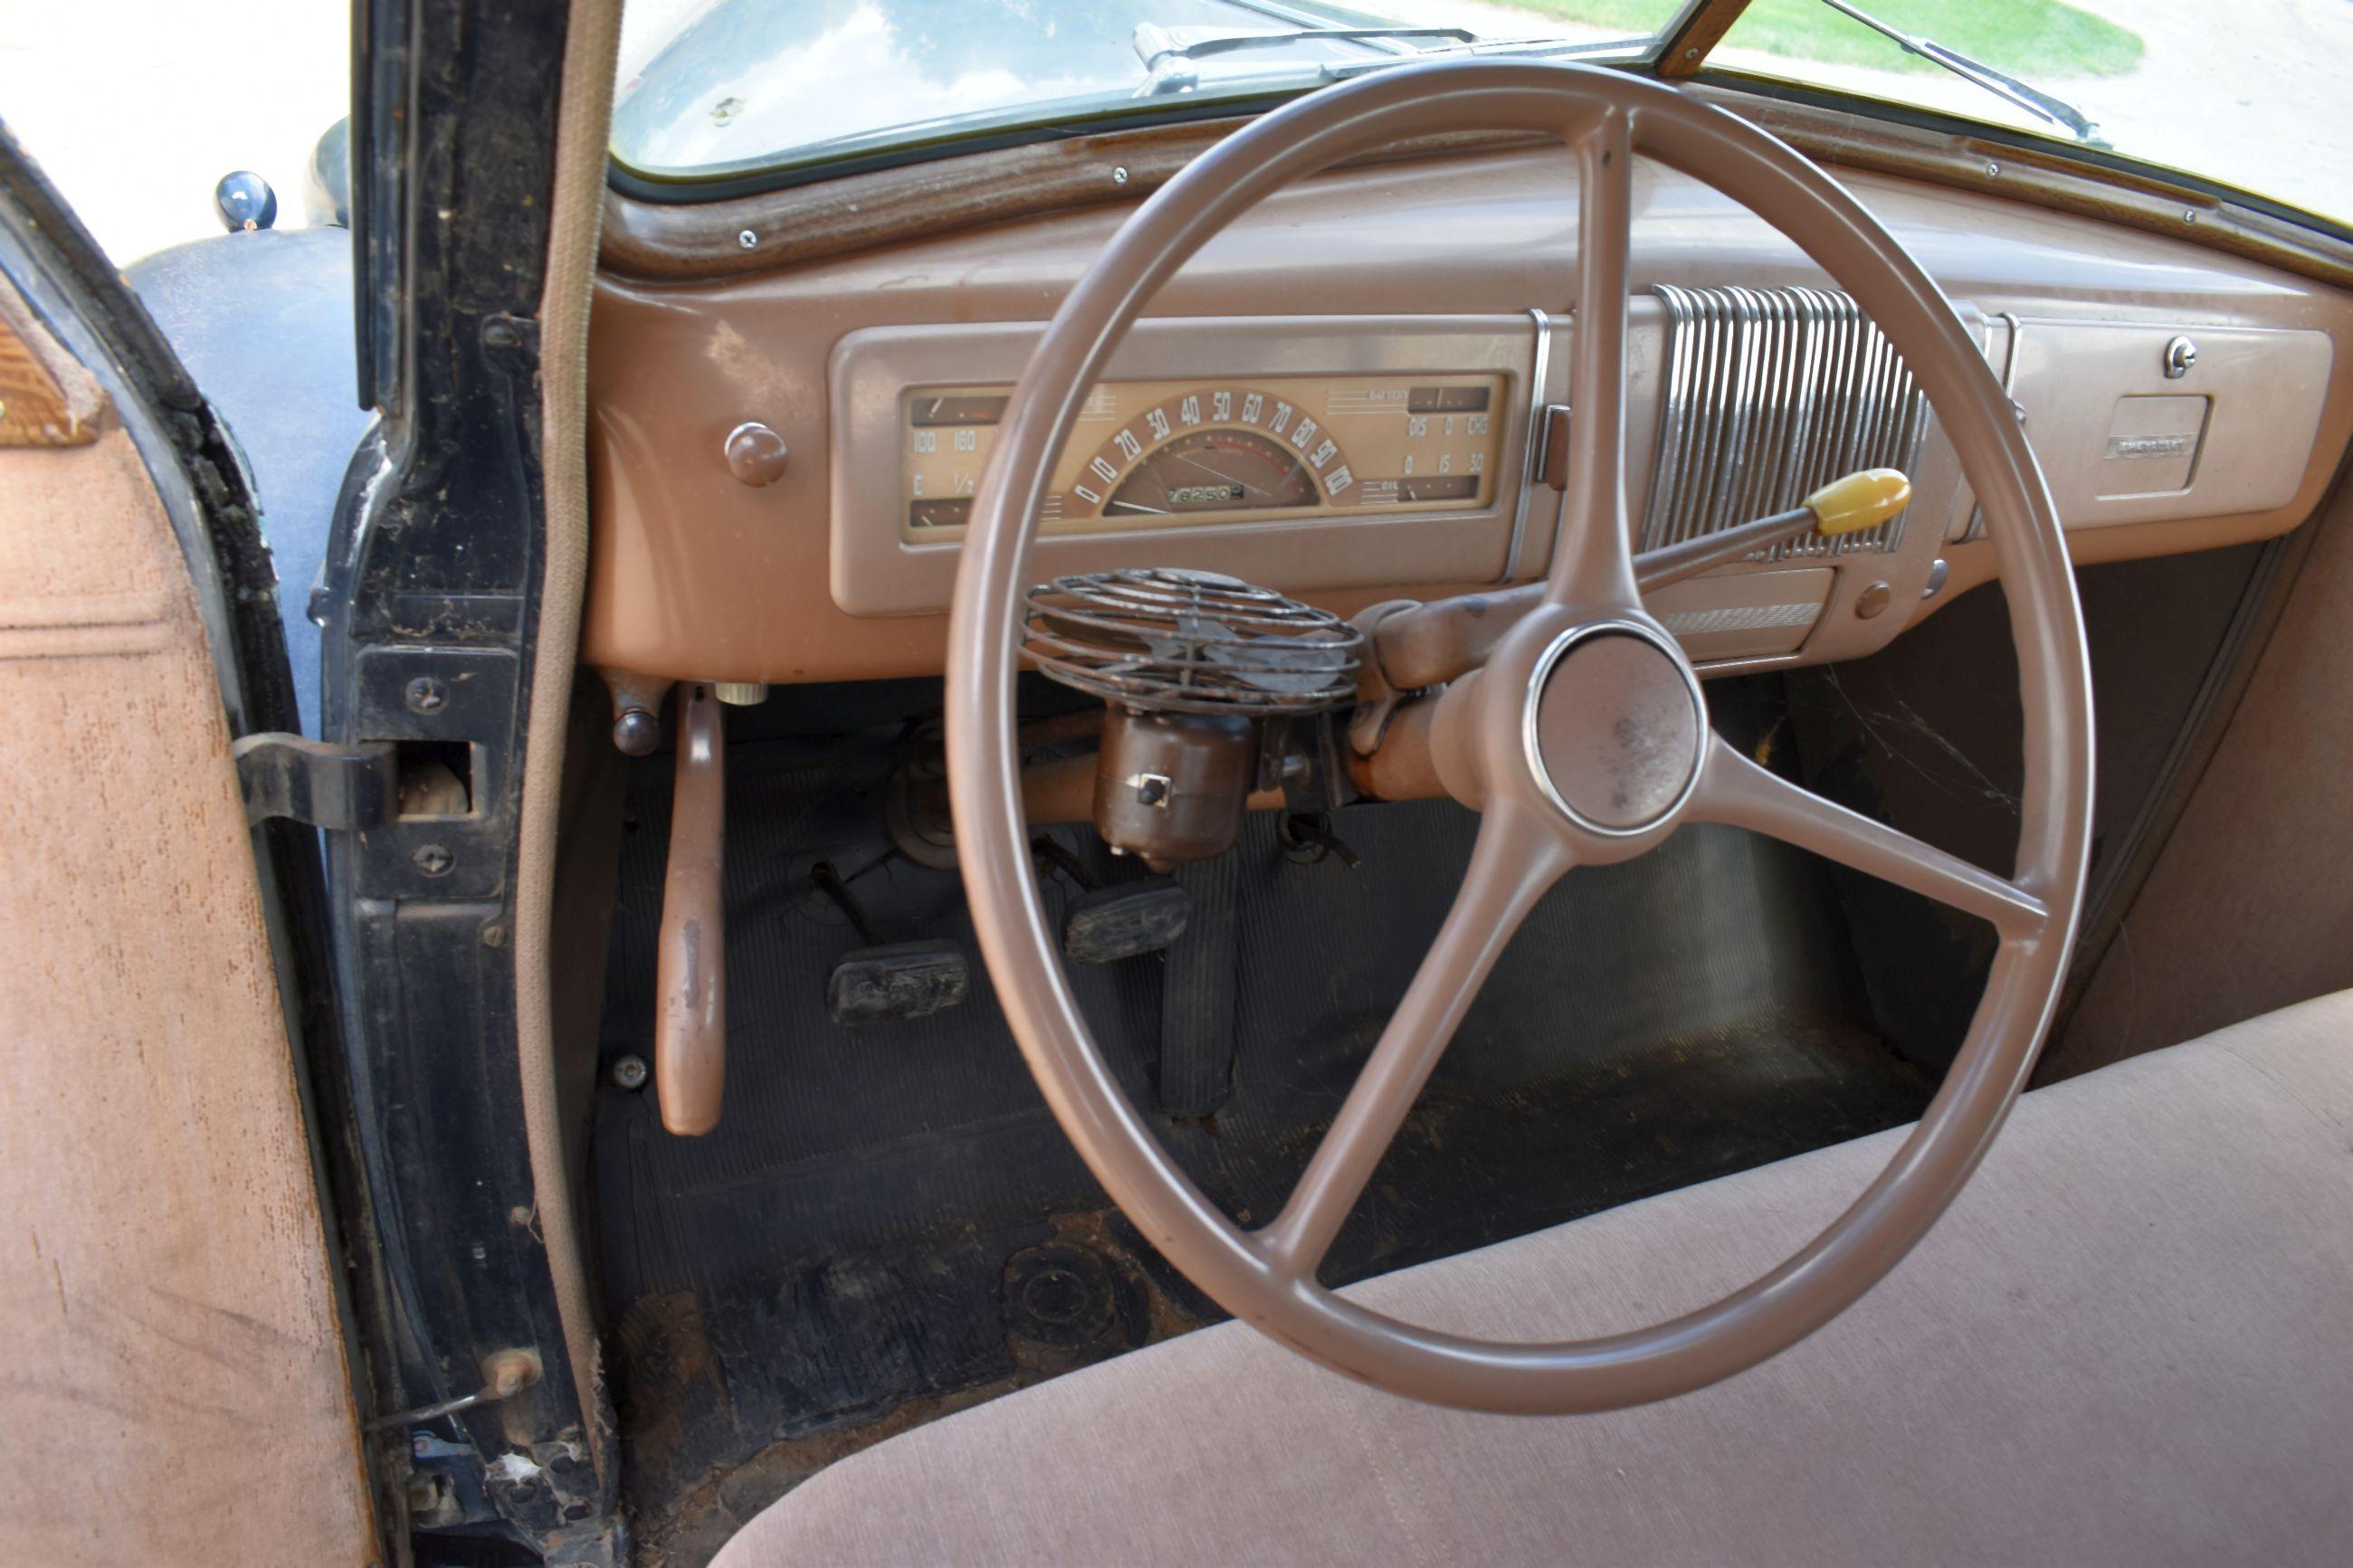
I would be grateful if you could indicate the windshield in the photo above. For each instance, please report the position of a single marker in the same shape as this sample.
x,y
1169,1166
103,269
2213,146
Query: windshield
x,y
2244,92
2240,92
712,87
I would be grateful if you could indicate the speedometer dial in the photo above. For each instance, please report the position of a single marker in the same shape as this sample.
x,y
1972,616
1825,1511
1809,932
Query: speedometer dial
x,y
1220,449
1186,453
1213,470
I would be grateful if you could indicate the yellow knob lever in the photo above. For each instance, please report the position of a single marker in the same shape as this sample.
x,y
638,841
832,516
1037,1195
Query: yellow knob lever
x,y
1863,500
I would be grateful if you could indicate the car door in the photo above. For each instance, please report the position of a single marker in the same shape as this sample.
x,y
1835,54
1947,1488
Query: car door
x,y
180,1385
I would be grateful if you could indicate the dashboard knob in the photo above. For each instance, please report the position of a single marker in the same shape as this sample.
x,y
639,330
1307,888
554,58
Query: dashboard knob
x,y
755,454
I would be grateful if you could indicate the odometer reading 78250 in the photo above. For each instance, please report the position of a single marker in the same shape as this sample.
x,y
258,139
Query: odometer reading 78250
x,y
1159,454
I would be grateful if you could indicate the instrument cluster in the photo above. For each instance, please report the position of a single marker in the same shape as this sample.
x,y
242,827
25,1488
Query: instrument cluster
x,y
1161,454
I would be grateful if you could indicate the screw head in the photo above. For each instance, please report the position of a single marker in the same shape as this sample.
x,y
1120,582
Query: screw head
x,y
1993,171
1119,176
427,694
629,1072
747,239
432,859
500,333
507,1373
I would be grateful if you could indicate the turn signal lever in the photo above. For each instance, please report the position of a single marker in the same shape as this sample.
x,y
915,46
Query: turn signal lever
x,y
1199,672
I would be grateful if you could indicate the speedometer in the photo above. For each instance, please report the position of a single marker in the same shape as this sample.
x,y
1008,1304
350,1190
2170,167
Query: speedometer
x,y
1213,470
1163,454
1211,450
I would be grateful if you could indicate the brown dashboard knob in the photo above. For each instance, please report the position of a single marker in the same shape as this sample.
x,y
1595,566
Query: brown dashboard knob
x,y
755,454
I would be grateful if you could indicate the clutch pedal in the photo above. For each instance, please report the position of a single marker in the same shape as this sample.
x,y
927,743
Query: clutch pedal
x,y
901,980
887,980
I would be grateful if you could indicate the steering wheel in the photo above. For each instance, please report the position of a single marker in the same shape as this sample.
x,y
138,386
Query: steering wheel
x,y
1583,740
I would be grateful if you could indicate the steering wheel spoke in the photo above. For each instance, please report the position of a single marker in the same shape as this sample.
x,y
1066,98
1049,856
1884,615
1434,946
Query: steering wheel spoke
x,y
1593,562
1737,791
1517,857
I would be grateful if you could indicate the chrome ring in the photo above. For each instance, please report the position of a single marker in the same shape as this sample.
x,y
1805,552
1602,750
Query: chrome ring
x,y
1551,657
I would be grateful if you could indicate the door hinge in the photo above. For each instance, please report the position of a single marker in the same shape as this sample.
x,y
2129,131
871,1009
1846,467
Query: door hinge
x,y
339,788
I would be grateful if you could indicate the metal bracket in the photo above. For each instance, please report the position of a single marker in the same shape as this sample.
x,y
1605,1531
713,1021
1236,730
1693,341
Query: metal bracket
x,y
340,788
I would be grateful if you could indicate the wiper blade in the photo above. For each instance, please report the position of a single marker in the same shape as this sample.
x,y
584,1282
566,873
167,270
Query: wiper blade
x,y
2009,88
1171,76
1166,50
1154,44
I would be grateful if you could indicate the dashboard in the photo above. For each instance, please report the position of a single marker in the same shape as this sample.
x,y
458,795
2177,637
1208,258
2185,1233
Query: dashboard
x,y
1345,397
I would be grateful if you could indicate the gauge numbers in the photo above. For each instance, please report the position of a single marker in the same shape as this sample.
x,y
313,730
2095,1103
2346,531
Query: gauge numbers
x,y
1163,454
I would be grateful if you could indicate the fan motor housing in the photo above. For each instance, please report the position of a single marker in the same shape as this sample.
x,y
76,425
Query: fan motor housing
x,y
1191,666
1172,787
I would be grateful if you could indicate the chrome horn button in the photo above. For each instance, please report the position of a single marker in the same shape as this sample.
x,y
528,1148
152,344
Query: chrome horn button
x,y
1614,727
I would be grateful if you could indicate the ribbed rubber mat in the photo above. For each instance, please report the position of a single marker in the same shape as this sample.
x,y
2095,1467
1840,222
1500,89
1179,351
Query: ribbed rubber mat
x,y
1197,993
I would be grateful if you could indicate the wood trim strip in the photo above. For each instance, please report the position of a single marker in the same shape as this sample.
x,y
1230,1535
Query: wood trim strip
x,y
658,242
1696,37
46,399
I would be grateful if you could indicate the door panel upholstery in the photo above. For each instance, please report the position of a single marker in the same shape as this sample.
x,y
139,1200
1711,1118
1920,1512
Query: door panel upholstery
x,y
177,1359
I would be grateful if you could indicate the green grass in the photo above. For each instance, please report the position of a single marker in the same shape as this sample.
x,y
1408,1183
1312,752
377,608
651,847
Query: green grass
x,y
2035,40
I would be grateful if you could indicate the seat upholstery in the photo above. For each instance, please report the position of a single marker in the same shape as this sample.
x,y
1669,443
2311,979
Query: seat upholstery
x,y
2130,1340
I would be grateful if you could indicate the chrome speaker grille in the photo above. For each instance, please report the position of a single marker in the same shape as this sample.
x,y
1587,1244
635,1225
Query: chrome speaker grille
x,y
1769,393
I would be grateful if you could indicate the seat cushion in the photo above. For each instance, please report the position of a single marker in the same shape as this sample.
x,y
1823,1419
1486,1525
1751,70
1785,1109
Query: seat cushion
x,y
2130,1340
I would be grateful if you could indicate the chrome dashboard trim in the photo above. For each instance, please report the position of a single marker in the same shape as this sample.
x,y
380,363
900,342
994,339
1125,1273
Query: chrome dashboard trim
x,y
1539,392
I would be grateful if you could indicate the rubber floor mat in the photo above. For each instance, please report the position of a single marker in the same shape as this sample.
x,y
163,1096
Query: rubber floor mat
x,y
887,1221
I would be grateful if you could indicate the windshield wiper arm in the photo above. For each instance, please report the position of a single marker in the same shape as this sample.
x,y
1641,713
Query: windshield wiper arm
x,y
2042,105
1172,78
1154,44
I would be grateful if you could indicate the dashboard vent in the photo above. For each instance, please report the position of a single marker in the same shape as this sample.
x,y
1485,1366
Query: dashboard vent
x,y
1769,393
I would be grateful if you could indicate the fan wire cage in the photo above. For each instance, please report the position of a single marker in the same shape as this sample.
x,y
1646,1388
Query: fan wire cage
x,y
1166,640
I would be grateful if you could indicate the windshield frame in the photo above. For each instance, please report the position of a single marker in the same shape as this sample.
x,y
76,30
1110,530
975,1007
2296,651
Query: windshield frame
x,y
921,141
1677,54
